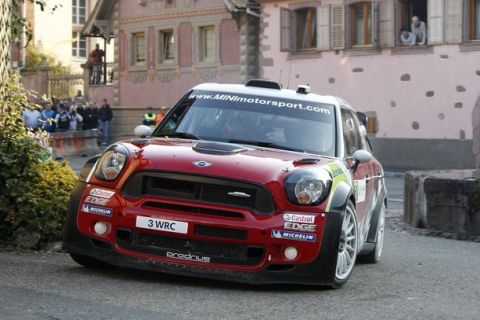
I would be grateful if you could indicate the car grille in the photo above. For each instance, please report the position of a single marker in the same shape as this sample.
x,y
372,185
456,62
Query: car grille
x,y
220,253
200,188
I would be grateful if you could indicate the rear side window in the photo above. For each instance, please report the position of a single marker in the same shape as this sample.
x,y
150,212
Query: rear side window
x,y
351,134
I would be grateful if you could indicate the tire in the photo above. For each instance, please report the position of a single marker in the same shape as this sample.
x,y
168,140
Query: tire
x,y
89,262
347,248
375,255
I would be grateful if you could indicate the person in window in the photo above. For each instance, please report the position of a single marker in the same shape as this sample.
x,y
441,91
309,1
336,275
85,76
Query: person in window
x,y
407,37
419,30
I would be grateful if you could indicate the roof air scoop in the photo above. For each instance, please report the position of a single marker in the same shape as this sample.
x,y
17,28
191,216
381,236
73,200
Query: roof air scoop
x,y
218,148
259,83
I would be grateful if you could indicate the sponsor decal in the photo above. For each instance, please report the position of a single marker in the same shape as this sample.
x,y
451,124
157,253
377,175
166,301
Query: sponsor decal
x,y
188,256
97,210
301,218
292,235
96,200
360,189
337,172
106,194
300,226
162,225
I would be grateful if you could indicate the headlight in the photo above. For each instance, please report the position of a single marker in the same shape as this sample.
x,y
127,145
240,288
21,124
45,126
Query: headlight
x,y
308,187
112,162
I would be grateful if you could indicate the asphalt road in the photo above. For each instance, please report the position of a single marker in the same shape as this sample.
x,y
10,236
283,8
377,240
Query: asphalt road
x,y
418,278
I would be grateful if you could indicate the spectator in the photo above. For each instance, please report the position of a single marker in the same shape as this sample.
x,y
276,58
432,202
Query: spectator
x,y
90,117
75,118
62,119
105,116
419,30
48,116
407,37
96,58
149,118
31,118
159,117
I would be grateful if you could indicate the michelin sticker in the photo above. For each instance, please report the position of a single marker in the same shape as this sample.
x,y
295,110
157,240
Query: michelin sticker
x,y
360,189
106,194
97,210
291,235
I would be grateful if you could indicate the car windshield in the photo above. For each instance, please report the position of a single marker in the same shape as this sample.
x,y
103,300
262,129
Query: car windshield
x,y
272,122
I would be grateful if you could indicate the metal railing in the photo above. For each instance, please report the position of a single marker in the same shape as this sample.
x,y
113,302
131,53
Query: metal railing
x,y
63,85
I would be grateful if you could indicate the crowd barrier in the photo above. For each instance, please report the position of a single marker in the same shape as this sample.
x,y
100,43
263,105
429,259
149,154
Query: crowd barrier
x,y
74,143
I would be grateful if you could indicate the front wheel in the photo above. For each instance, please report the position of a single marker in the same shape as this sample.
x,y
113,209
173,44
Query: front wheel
x,y
348,246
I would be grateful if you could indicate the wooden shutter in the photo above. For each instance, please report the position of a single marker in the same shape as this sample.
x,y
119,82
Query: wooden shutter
x,y
323,27
453,21
338,27
285,30
435,21
386,14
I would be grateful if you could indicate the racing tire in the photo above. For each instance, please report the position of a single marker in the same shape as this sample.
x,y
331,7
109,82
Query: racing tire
x,y
347,248
375,255
89,262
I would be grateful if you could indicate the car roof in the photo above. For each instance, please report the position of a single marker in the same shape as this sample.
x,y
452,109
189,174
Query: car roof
x,y
274,93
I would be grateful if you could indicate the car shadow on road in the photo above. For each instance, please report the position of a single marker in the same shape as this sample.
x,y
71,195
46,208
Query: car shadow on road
x,y
149,277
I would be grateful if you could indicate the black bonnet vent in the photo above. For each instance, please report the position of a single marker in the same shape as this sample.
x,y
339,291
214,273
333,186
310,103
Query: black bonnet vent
x,y
218,148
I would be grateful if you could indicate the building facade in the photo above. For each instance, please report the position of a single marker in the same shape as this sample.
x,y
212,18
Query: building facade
x,y
423,100
165,47
56,33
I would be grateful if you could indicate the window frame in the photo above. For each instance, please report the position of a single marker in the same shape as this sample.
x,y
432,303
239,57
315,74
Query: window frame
x,y
369,36
77,39
202,43
134,61
296,30
472,20
162,59
76,16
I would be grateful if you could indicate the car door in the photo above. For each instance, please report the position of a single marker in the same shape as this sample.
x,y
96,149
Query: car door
x,y
362,173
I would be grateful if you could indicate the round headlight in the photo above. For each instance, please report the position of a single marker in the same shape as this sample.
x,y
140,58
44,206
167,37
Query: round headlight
x,y
112,162
308,187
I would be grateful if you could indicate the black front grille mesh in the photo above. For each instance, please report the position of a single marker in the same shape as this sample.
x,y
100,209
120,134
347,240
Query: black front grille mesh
x,y
200,188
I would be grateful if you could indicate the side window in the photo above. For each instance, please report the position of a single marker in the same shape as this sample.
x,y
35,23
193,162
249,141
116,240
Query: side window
x,y
351,136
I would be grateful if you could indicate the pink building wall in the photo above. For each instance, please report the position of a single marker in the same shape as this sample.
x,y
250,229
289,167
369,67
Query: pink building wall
x,y
398,87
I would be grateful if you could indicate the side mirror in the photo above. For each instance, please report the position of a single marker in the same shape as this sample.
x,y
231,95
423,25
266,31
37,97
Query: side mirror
x,y
362,117
143,131
362,156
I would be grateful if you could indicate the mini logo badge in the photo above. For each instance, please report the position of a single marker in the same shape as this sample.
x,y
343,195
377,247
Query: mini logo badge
x,y
239,194
202,164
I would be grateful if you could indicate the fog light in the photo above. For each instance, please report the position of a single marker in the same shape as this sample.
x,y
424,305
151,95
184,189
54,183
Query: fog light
x,y
291,253
100,228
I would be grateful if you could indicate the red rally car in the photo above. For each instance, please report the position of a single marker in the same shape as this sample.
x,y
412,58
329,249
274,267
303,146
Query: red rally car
x,y
248,183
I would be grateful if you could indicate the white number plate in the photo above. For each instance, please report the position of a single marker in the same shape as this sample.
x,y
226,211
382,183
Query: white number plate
x,y
162,225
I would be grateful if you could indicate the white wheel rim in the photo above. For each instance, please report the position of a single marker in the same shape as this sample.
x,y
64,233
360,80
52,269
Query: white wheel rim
x,y
380,232
347,249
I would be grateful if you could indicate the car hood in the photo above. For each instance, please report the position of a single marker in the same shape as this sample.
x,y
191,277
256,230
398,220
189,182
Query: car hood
x,y
233,161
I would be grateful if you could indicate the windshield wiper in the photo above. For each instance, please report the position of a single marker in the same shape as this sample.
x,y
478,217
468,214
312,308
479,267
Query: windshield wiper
x,y
181,135
265,144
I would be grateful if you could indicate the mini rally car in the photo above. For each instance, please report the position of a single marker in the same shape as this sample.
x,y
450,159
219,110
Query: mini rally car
x,y
249,183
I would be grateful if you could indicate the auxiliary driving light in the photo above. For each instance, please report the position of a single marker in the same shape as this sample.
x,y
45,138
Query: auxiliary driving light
x,y
291,253
100,228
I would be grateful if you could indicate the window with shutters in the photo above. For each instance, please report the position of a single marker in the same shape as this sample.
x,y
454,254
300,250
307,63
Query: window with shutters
x,y
406,9
79,12
306,28
79,45
138,48
473,16
361,24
